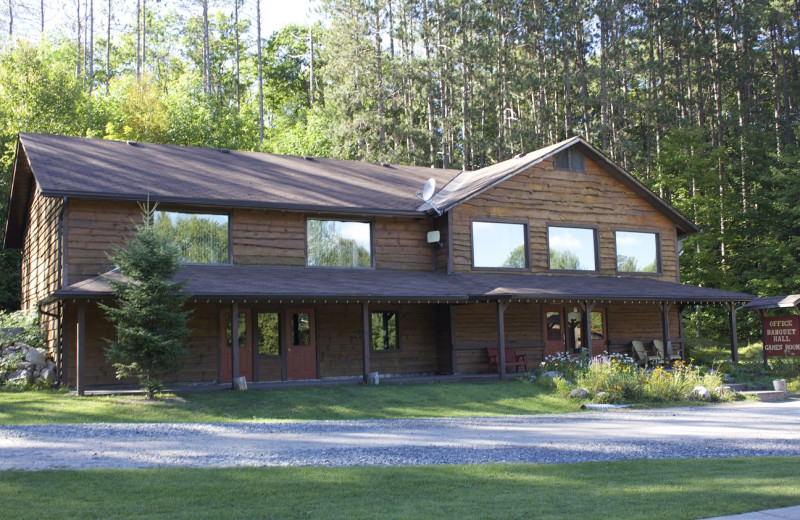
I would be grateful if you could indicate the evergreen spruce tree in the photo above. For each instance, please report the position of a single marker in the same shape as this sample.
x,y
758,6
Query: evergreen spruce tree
x,y
150,325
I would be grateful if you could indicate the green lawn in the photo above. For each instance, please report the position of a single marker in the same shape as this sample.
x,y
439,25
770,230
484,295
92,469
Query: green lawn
x,y
463,399
646,489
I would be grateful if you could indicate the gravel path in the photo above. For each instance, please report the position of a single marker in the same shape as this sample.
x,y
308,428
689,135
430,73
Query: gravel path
x,y
752,429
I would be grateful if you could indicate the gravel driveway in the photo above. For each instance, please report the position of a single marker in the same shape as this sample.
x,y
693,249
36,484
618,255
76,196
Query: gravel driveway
x,y
752,429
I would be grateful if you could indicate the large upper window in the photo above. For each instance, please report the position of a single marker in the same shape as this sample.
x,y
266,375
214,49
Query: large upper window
x,y
201,238
498,244
336,243
572,249
571,160
637,252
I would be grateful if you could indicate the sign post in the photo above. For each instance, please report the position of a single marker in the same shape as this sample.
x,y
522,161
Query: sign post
x,y
781,336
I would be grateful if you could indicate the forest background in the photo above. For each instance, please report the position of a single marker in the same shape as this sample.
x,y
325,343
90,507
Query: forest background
x,y
696,98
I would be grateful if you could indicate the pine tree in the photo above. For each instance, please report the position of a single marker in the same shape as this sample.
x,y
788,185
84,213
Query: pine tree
x,y
149,324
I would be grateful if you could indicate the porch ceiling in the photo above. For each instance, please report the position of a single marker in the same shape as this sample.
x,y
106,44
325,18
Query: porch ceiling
x,y
323,284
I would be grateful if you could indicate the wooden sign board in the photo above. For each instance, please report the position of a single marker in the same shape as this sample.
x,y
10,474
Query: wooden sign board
x,y
781,336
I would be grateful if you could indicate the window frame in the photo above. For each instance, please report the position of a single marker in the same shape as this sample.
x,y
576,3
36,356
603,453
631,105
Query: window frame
x,y
596,235
525,235
398,341
369,222
228,214
659,266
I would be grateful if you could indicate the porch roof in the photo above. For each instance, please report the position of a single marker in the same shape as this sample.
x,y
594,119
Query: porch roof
x,y
325,284
773,302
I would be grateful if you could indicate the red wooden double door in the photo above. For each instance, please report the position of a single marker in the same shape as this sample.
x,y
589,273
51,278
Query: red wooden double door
x,y
287,334
565,330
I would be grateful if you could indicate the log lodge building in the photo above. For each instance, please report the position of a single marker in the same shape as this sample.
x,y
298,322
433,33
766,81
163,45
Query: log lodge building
x,y
335,269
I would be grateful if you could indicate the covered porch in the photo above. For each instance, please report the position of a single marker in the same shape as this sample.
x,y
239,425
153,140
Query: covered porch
x,y
448,321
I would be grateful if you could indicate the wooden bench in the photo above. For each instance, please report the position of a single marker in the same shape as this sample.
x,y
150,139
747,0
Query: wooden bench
x,y
512,359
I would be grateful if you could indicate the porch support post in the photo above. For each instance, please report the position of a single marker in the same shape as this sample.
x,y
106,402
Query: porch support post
x,y
763,336
502,305
235,343
80,354
587,307
664,307
365,340
734,333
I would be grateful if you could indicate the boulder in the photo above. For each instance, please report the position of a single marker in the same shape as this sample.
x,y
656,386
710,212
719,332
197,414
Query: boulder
x,y
701,392
48,374
553,374
20,375
240,383
579,393
36,357
601,395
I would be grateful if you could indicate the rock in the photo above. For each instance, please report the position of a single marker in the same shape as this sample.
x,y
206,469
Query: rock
x,y
532,378
21,375
24,365
701,392
36,357
240,383
48,374
51,364
553,374
579,393
723,390
601,395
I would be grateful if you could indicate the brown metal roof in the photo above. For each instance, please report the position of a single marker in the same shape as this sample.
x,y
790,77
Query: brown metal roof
x,y
233,282
469,184
98,168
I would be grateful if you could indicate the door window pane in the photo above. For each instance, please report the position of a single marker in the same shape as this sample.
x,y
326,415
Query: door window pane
x,y
554,326
301,329
334,243
268,327
636,252
496,244
201,238
572,249
384,330
598,330
242,330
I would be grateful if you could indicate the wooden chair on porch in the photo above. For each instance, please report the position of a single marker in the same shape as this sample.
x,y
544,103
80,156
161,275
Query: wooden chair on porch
x,y
643,359
512,359
664,355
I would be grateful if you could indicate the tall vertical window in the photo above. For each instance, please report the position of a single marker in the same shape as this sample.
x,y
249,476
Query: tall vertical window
x,y
385,334
201,238
637,252
499,245
336,243
572,249
268,330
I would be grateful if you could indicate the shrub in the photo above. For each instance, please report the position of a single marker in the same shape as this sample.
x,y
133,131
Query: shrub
x,y
22,327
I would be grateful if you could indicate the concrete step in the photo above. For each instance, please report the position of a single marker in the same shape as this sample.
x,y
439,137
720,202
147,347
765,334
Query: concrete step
x,y
735,387
767,396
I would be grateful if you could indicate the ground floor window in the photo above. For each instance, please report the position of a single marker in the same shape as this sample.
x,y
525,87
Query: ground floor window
x,y
384,330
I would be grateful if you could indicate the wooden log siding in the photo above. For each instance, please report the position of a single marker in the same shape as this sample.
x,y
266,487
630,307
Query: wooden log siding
x,y
268,238
40,259
200,363
542,195
340,341
402,244
475,328
95,229
627,322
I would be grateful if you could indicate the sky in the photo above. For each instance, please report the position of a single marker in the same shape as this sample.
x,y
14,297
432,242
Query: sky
x,y
61,14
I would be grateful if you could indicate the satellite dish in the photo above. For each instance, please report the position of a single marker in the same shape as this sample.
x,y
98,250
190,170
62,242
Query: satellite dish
x,y
427,193
428,189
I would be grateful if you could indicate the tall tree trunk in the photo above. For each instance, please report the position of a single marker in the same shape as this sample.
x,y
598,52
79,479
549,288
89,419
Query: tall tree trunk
x,y
236,36
310,68
108,47
144,37
260,77
206,50
138,38
379,80
90,72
